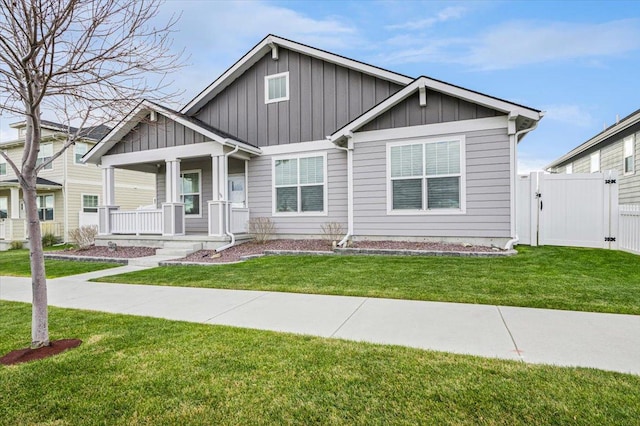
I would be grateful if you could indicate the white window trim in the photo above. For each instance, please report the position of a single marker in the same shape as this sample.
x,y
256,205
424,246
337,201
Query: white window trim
x,y
3,161
266,87
568,169
591,157
75,154
82,195
463,178
325,193
52,153
54,205
7,203
631,138
199,172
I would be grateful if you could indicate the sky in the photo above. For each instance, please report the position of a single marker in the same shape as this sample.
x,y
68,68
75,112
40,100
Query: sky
x,y
578,61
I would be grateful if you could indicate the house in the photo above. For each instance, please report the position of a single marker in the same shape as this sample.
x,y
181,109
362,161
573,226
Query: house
x,y
612,149
306,137
68,191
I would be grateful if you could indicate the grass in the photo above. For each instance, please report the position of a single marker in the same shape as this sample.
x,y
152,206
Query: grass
x,y
135,371
542,277
15,263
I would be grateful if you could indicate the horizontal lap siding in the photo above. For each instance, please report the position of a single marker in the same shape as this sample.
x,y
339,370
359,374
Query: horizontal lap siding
x,y
487,194
261,203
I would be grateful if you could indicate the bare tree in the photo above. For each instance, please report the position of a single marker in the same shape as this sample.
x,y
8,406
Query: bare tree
x,y
88,61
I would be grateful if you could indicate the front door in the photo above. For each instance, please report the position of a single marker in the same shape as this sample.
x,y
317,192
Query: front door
x,y
237,191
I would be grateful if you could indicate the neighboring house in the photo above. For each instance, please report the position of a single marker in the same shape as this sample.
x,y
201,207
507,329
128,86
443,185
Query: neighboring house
x,y
68,191
615,148
306,137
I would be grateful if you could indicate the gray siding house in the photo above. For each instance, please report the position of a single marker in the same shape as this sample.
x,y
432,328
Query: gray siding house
x,y
306,137
615,148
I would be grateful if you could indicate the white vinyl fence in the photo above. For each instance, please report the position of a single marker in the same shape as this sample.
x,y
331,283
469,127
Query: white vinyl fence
x,y
629,228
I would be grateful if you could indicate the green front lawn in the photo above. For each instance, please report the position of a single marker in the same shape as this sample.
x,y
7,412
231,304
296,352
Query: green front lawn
x,y
541,277
15,263
135,371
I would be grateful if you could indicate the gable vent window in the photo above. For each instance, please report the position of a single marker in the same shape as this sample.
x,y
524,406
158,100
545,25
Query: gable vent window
x,y
629,154
594,166
276,88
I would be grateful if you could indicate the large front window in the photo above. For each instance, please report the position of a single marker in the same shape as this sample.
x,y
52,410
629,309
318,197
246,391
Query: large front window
x,y
90,203
191,190
44,203
426,176
45,154
300,185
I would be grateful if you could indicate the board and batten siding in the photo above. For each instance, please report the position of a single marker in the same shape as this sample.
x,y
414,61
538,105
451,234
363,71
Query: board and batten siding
x,y
261,199
323,97
440,108
487,194
611,158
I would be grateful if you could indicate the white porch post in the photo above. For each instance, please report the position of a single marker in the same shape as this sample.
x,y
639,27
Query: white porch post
x,y
15,203
216,205
173,218
108,201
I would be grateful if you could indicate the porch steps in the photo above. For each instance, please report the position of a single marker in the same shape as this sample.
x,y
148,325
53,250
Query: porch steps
x,y
178,248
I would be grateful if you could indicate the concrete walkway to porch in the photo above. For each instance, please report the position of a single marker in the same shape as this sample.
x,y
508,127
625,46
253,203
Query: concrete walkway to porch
x,y
565,338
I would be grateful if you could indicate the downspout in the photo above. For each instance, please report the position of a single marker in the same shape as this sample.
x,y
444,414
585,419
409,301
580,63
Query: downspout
x,y
514,158
349,150
225,191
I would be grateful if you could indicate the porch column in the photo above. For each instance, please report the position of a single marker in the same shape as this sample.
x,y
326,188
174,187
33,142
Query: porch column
x,y
15,203
173,218
216,206
108,201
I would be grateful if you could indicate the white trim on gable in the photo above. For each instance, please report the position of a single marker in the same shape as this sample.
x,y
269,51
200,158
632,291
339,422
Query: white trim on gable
x,y
293,148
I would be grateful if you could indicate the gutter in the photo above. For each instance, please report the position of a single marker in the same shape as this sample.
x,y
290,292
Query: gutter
x,y
227,209
349,150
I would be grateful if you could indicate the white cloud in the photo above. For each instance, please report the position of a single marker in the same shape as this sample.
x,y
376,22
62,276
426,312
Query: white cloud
x,y
528,164
520,43
446,14
569,114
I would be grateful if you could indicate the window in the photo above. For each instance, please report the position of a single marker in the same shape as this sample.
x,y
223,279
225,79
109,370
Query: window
x,y
80,149
3,166
90,204
569,169
44,203
276,88
4,208
299,185
595,162
191,189
46,152
426,176
629,154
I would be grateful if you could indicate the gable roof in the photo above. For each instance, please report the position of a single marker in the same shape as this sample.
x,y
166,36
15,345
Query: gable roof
x,y
264,46
142,110
40,183
610,131
93,133
529,115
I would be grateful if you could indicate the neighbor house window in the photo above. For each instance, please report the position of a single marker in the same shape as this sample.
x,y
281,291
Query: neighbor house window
x,y
45,154
44,203
4,208
595,162
90,204
79,150
191,190
299,185
569,169
426,176
3,166
629,154
276,87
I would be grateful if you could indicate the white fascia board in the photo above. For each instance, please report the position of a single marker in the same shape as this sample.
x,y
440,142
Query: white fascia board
x,y
161,155
451,127
623,125
293,148
265,46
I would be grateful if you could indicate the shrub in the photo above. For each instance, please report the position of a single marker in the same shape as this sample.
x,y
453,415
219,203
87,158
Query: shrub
x,y
261,229
332,231
84,237
16,245
49,239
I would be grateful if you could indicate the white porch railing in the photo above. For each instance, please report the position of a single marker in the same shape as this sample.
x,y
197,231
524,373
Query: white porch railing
x,y
87,219
239,219
629,228
136,222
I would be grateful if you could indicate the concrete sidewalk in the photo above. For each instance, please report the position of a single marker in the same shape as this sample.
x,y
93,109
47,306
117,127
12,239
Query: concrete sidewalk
x,y
566,338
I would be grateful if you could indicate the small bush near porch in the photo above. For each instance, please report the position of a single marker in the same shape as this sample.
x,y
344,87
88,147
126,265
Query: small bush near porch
x,y
15,263
540,277
194,374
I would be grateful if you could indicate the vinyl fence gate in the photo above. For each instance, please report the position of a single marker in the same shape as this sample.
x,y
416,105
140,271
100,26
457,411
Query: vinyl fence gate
x,y
568,209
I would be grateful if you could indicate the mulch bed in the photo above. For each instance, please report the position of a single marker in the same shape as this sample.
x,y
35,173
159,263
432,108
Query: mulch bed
x,y
102,251
426,246
25,355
